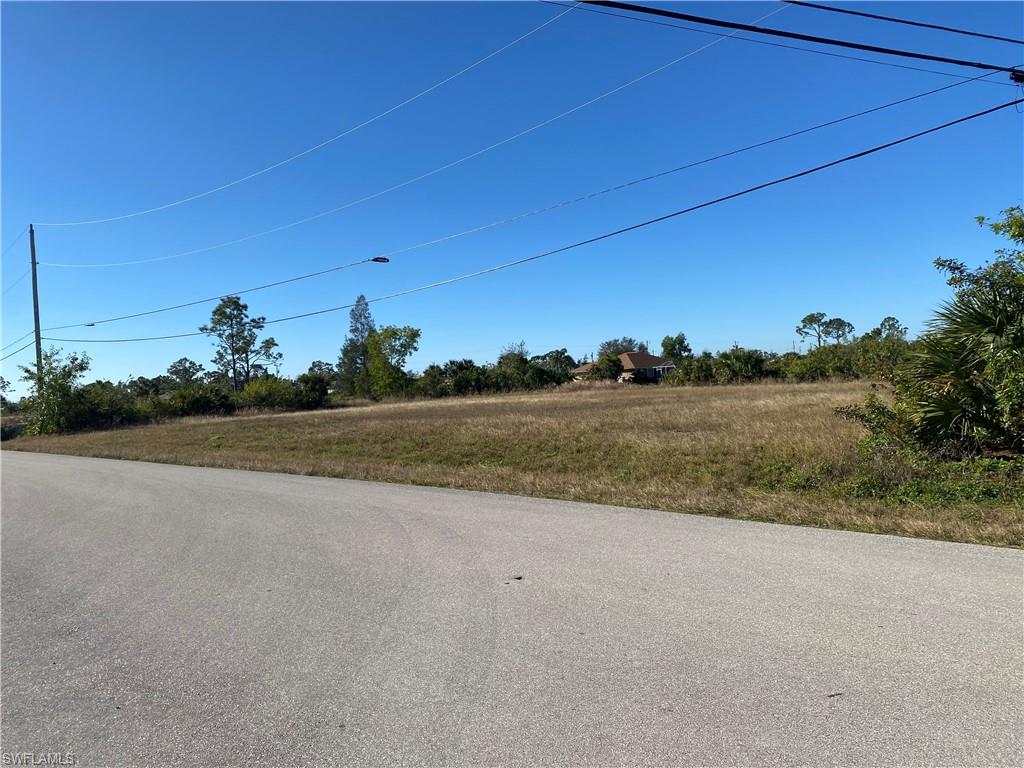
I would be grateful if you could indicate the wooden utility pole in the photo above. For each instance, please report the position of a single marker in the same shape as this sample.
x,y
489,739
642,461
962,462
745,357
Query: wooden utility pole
x,y
35,308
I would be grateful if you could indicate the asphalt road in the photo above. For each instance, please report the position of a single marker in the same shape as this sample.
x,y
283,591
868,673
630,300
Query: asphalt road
x,y
160,615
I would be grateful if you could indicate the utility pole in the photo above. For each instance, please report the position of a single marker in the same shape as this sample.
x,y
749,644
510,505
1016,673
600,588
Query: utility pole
x,y
35,308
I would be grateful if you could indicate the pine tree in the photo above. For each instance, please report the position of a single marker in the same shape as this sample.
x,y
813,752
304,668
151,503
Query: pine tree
x,y
239,356
353,377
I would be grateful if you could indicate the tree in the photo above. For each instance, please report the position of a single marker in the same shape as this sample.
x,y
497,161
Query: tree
x,y
890,329
812,327
618,346
515,348
740,365
387,350
141,386
5,387
431,382
184,371
463,377
607,367
558,363
54,404
319,366
676,347
353,378
514,370
314,386
240,356
837,329
881,351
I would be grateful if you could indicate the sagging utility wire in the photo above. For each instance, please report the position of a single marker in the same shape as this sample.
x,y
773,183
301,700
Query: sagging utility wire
x,y
414,179
22,349
598,238
508,220
773,44
800,36
315,147
12,343
908,22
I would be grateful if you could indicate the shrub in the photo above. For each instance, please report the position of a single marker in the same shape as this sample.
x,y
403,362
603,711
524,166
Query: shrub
x,y
268,392
313,389
431,382
961,392
54,405
608,367
197,398
102,405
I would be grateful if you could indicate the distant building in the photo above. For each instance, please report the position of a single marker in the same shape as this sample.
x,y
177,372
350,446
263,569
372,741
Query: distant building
x,y
641,366
580,371
636,366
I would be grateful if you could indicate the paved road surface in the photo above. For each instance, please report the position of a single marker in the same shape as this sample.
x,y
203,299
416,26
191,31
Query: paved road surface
x,y
159,615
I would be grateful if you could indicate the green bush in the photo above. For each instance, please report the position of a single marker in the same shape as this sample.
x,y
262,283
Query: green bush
x,y
961,391
268,392
313,389
55,404
197,398
103,405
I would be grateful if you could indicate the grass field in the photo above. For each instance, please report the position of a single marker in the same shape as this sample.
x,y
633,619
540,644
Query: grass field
x,y
769,452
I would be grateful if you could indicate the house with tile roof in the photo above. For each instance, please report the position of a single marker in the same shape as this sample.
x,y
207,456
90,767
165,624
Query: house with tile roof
x,y
636,366
642,366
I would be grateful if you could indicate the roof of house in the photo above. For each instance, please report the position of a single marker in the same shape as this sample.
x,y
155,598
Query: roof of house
x,y
632,361
583,368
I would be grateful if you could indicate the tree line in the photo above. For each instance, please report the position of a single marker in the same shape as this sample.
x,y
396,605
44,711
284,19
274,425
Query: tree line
x,y
960,383
372,365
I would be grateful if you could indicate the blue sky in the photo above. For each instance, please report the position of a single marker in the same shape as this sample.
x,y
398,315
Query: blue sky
x,y
112,108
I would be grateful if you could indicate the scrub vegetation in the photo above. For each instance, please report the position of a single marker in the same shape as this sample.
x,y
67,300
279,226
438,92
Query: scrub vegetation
x,y
872,432
772,452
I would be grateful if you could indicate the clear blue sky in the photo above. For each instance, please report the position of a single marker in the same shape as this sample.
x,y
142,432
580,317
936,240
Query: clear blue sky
x,y
111,108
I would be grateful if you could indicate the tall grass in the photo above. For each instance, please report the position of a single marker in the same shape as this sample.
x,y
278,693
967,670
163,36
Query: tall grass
x,y
773,452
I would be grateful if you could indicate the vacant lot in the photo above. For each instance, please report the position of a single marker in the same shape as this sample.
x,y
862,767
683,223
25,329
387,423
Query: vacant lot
x,y
762,452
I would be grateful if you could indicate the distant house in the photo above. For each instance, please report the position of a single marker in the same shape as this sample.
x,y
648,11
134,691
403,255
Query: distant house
x,y
580,371
636,366
641,366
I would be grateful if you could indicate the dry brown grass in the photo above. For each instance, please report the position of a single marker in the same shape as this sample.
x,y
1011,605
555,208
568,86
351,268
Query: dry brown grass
x,y
702,450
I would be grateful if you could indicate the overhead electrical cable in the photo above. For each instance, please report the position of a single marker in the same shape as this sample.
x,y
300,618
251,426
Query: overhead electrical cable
x,y
14,241
16,281
12,343
598,238
214,298
315,147
908,22
22,349
797,35
414,179
534,212
833,54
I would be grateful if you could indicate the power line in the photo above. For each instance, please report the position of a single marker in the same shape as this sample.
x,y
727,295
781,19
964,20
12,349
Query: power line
x,y
14,241
598,238
215,298
536,211
22,277
741,38
22,349
903,21
12,343
414,179
797,35
315,147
